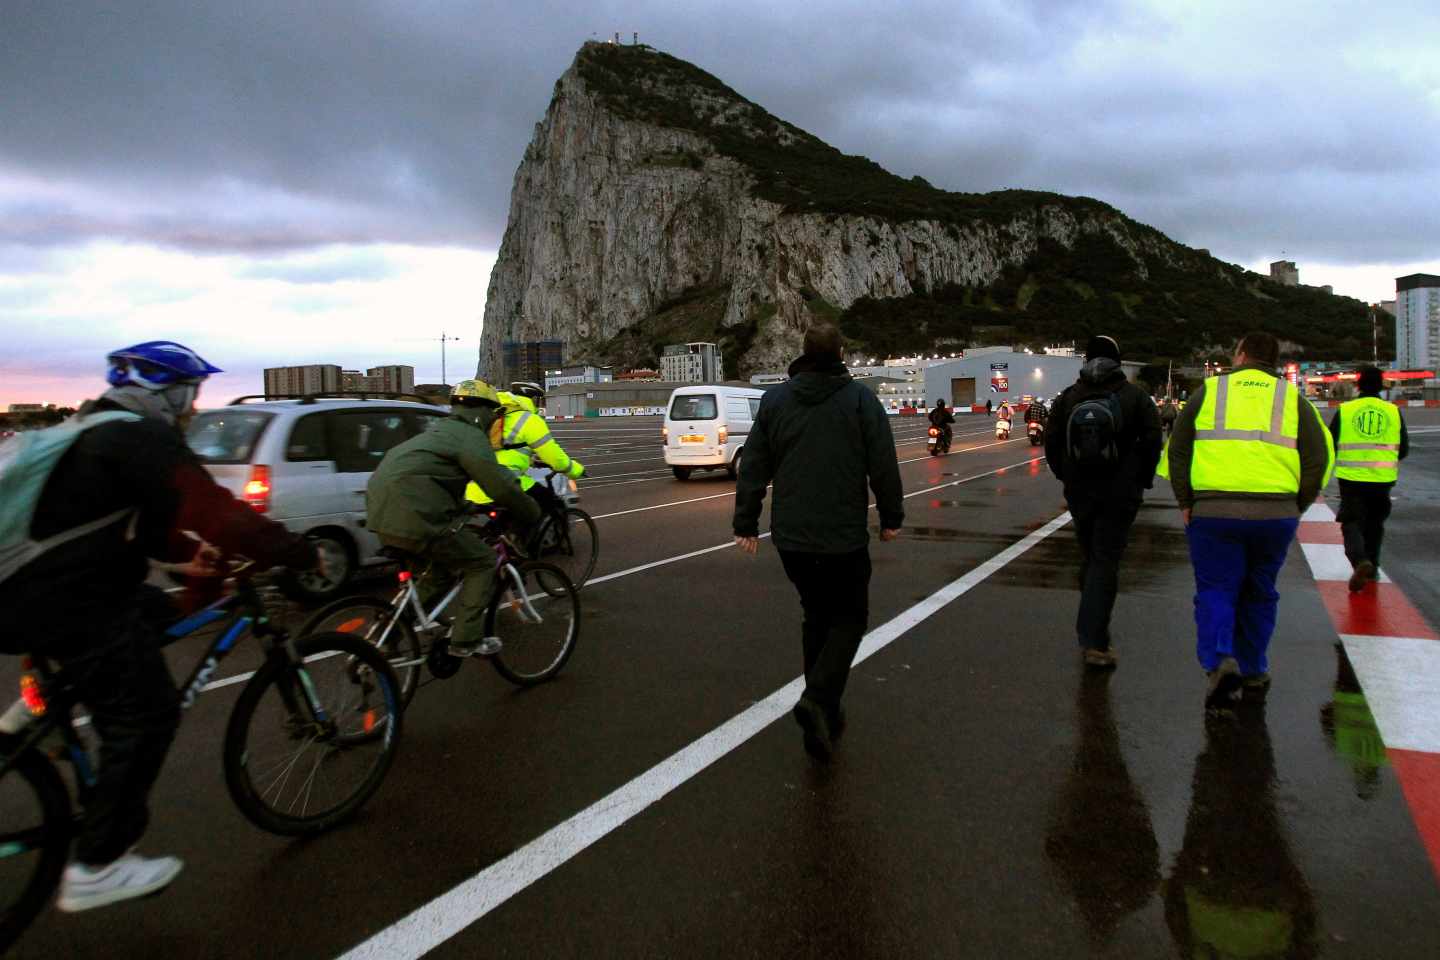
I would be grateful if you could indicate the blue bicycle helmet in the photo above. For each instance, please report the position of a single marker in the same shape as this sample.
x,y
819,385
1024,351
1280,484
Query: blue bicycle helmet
x,y
157,364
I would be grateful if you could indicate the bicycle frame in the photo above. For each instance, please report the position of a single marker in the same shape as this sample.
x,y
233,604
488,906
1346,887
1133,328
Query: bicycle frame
x,y
56,697
409,596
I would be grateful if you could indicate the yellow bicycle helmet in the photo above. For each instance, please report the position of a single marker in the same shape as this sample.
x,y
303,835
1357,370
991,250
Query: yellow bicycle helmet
x,y
474,391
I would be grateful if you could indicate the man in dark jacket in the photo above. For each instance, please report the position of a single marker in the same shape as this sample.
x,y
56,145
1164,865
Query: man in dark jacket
x,y
822,438
1107,462
86,605
416,502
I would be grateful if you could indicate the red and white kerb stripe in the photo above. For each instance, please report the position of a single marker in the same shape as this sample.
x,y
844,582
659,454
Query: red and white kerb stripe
x,y
1396,656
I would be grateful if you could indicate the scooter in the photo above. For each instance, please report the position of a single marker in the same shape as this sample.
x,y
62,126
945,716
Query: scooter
x,y
1036,431
1002,429
937,442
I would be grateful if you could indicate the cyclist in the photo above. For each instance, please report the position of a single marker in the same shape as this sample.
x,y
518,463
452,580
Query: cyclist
x,y
85,603
521,433
416,503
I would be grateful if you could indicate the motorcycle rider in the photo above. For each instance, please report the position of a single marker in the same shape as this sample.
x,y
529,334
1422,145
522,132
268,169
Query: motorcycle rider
x,y
416,503
940,416
86,605
1003,419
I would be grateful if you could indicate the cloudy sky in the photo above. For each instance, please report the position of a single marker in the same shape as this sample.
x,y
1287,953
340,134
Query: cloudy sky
x,y
277,182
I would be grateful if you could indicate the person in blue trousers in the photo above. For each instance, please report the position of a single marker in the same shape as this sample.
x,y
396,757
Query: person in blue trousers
x,y
1249,454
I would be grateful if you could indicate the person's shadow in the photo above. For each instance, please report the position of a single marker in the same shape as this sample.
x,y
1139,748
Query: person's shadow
x,y
1350,728
1235,889
1100,839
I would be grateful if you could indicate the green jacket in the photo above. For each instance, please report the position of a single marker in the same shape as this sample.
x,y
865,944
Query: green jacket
x,y
418,490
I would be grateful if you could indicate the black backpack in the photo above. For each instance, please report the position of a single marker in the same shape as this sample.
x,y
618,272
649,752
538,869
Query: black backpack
x,y
1092,432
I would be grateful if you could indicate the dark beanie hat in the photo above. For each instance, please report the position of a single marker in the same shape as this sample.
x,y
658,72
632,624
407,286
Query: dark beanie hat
x,y
1369,379
1102,347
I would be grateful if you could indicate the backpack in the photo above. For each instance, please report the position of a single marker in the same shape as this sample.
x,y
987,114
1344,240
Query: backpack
x,y
26,462
1091,432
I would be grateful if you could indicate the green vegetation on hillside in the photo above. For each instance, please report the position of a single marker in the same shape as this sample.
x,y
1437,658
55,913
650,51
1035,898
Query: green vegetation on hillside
x,y
791,167
1062,295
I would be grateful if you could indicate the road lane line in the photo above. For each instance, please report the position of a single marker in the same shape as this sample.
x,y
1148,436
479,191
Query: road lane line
x,y
722,546
450,913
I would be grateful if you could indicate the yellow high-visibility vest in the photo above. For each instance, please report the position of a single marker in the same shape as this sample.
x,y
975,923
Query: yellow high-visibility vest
x,y
1369,448
1246,435
523,432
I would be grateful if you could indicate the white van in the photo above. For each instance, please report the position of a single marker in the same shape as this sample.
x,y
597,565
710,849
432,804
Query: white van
x,y
706,426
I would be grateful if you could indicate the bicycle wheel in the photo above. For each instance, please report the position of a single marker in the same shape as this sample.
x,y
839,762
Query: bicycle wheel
x,y
367,618
308,744
35,831
537,618
571,542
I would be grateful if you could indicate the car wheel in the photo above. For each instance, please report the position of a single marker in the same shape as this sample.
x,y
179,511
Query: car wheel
x,y
681,473
311,585
733,470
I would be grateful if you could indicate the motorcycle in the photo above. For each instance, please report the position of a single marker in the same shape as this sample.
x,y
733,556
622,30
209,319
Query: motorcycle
x,y
1002,429
937,442
1036,431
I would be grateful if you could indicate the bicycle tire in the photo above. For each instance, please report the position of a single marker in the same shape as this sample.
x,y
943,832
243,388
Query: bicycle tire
x,y
364,687
31,775
365,617
532,652
571,543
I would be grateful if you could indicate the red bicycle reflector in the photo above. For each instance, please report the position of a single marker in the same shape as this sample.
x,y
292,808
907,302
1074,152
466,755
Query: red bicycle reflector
x,y
404,576
30,693
350,626
369,721
493,514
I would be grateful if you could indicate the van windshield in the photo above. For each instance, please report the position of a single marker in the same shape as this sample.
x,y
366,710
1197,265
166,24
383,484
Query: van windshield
x,y
693,406
226,436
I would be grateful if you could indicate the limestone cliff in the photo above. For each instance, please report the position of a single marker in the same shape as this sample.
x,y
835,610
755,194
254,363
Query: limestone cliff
x,y
655,204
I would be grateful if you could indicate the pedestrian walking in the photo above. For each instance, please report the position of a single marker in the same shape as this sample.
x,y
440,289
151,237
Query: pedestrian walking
x,y
1103,448
822,439
1370,442
989,408
1249,454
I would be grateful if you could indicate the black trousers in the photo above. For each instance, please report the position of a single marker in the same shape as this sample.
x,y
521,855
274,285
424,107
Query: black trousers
x,y
835,596
134,707
1363,509
1102,525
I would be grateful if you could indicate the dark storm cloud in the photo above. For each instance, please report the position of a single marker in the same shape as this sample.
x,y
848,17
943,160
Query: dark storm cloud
x,y
271,125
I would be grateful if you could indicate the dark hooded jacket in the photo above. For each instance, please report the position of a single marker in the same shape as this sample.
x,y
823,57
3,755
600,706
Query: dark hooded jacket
x,y
1139,443
146,466
822,439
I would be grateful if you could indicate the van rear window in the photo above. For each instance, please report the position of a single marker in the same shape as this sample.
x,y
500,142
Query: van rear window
x,y
693,406
226,436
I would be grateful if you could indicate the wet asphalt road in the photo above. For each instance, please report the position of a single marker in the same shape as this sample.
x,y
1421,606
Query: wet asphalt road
x,y
990,798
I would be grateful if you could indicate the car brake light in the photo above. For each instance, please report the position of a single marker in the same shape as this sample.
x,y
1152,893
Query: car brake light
x,y
724,433
257,488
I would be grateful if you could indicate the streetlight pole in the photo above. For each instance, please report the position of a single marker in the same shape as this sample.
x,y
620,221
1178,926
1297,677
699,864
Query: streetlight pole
x,y
443,378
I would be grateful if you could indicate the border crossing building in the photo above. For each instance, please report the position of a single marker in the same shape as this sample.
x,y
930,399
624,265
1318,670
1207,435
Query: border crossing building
x,y
1001,373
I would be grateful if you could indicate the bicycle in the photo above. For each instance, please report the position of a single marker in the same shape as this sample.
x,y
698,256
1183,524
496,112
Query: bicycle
x,y
566,535
534,611
315,702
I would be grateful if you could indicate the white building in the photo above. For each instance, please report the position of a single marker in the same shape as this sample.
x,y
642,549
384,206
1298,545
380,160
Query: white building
x,y
577,374
1417,322
692,363
999,373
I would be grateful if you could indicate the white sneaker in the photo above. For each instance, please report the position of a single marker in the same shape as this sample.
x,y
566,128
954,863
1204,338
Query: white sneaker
x,y
487,647
131,876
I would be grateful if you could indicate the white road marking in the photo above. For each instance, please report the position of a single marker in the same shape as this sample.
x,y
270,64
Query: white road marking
x,y
1318,512
450,913
1328,562
1401,680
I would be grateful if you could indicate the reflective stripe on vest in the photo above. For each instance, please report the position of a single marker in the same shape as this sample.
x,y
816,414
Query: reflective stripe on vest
x,y
1247,435
1374,457
515,430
